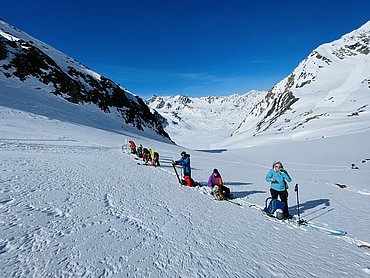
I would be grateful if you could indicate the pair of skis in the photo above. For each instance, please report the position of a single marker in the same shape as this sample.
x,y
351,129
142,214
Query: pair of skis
x,y
302,222
298,220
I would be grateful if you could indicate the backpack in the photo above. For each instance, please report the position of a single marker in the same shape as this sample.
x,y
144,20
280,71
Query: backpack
x,y
217,192
273,206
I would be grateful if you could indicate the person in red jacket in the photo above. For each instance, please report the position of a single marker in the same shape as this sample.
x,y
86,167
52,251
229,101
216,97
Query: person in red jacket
x,y
132,146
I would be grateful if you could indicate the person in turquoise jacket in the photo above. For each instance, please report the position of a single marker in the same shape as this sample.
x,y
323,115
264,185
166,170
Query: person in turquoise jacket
x,y
279,178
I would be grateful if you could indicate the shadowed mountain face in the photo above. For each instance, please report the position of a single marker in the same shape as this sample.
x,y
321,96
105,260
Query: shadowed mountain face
x,y
29,60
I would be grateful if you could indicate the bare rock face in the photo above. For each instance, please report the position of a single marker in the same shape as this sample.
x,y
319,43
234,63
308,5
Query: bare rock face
x,y
23,57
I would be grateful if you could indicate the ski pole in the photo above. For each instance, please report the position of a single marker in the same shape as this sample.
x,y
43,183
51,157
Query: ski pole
x,y
299,216
177,175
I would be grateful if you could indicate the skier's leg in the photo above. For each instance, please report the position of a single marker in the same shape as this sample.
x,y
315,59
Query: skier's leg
x,y
284,199
274,193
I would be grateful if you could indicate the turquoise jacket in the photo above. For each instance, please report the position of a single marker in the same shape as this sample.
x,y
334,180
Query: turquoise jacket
x,y
280,178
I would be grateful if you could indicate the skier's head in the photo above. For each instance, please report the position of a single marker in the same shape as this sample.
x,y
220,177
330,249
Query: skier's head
x,y
183,153
277,165
215,172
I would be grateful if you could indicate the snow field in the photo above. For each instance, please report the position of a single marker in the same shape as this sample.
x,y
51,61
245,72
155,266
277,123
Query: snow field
x,y
79,207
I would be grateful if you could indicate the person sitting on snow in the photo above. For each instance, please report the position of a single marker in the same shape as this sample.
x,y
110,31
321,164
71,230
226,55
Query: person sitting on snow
x,y
217,187
155,161
146,156
140,151
184,161
132,146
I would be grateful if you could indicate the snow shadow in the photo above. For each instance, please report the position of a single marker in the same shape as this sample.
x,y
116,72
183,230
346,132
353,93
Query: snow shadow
x,y
165,159
311,205
165,165
235,183
242,194
213,151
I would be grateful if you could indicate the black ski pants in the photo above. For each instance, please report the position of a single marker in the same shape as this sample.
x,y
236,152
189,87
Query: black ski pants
x,y
283,197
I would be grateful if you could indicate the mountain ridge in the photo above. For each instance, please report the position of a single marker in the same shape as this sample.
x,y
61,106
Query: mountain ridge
x,y
27,59
327,94
208,118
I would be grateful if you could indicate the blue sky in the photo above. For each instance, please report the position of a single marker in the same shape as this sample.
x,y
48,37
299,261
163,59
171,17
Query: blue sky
x,y
196,48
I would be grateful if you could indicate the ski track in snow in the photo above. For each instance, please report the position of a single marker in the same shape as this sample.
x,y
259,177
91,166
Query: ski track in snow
x,y
60,218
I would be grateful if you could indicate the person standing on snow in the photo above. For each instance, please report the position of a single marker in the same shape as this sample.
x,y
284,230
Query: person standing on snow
x,y
184,161
279,178
216,184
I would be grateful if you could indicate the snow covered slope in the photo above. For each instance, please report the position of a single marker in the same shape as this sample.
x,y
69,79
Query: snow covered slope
x,y
72,204
200,122
44,70
328,94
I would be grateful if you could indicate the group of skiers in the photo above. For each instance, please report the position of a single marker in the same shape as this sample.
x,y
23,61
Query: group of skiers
x,y
277,176
149,156
215,183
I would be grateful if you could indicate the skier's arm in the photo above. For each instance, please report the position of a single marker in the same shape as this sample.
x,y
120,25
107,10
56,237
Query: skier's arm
x,y
269,177
287,177
210,181
180,161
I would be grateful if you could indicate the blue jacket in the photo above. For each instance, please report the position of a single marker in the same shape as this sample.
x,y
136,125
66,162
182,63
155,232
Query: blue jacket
x,y
185,163
280,178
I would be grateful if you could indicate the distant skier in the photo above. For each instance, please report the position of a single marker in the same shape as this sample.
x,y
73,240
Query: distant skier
x,y
155,161
184,161
132,147
216,185
146,156
140,151
279,186
151,150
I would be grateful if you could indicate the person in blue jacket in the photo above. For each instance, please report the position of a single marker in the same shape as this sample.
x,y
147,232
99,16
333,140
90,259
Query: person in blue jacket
x,y
184,161
279,179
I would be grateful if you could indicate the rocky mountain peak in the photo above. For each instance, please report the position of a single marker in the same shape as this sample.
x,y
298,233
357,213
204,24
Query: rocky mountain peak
x,y
27,59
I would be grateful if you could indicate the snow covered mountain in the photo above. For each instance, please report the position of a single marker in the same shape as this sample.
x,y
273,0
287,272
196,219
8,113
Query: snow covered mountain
x,y
42,68
328,94
205,120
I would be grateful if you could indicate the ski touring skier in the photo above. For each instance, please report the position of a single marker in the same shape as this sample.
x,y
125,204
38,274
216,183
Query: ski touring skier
x,y
140,151
146,156
155,161
217,187
279,178
184,161
132,147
